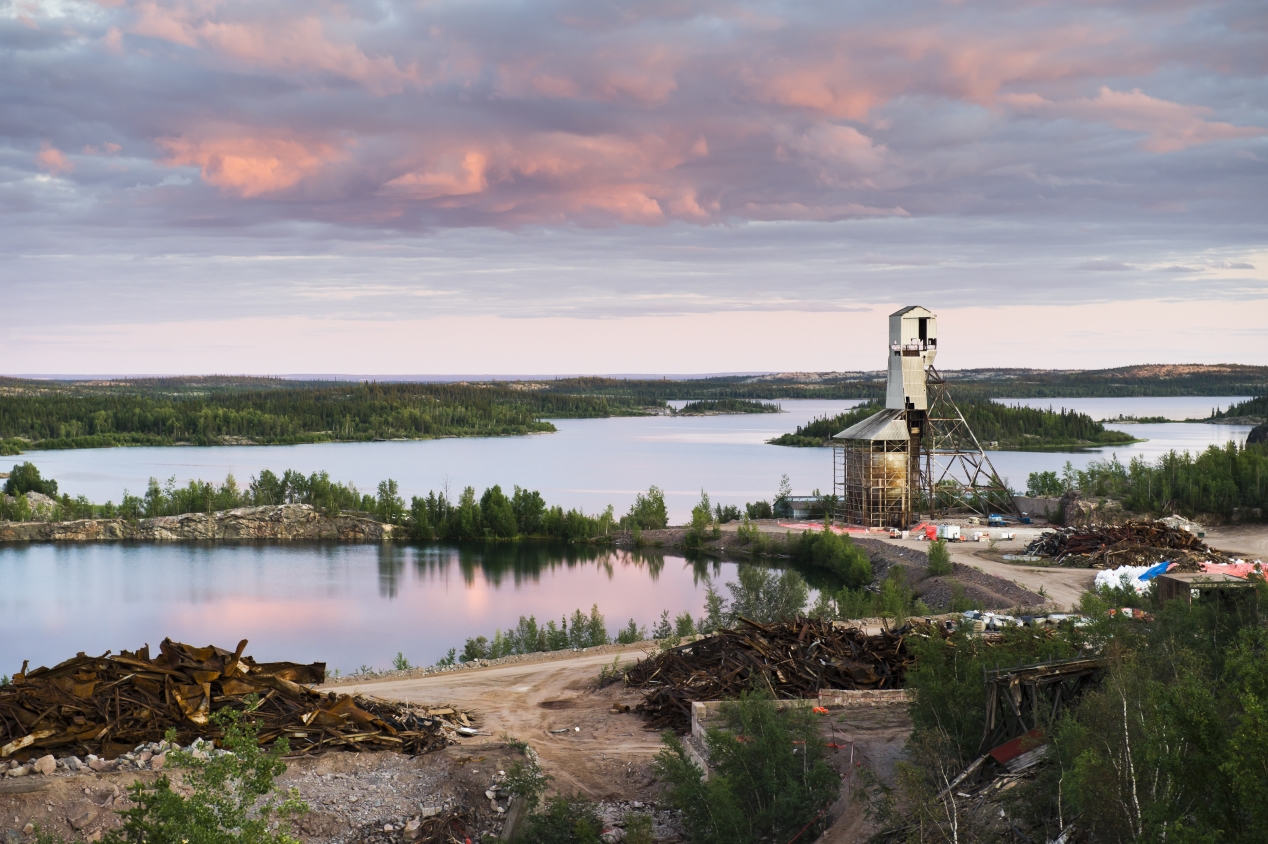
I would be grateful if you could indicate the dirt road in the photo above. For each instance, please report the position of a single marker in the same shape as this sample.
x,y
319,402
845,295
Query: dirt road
x,y
1248,541
608,756
1063,587
552,706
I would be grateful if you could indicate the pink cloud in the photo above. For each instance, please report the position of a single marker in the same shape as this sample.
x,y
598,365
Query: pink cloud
x,y
52,160
554,175
250,165
1168,126
839,155
279,43
113,40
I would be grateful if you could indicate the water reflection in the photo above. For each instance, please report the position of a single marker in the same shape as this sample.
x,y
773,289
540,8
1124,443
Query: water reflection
x,y
347,604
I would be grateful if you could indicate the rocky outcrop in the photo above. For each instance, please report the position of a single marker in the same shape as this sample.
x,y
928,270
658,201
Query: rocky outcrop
x,y
286,522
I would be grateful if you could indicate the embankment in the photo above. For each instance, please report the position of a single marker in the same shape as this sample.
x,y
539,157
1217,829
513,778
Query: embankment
x,y
285,522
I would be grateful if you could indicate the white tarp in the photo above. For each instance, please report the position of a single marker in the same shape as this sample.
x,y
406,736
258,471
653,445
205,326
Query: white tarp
x,y
1114,577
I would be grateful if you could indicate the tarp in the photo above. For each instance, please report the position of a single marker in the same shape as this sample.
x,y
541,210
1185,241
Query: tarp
x,y
1237,568
819,526
1133,575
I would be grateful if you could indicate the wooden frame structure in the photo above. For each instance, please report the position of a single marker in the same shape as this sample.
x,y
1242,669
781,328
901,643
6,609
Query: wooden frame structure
x,y
1031,697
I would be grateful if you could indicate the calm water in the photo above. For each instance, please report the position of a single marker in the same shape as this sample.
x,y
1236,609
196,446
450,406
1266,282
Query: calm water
x,y
347,605
351,605
589,463
1159,438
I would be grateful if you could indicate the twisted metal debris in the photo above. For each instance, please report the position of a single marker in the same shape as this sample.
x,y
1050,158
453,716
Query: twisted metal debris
x,y
108,704
793,659
1131,543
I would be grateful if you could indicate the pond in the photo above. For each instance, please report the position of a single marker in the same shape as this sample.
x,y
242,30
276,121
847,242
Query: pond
x,y
348,605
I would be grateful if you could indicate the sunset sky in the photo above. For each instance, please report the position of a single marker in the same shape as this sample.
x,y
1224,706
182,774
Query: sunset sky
x,y
677,186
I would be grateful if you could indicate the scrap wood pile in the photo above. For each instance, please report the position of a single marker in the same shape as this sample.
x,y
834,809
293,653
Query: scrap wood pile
x,y
108,704
1131,543
793,659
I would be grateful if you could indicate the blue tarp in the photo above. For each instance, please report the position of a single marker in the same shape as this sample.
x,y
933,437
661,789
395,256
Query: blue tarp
x,y
1154,571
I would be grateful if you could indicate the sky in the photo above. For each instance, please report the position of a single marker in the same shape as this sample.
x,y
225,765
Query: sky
x,y
674,186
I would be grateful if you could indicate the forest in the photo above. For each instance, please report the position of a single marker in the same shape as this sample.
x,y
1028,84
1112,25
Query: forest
x,y
347,412
1255,408
224,410
1217,380
1170,745
490,516
706,407
997,426
1229,482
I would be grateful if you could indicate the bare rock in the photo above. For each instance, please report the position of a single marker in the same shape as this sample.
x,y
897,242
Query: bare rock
x,y
45,764
80,816
281,522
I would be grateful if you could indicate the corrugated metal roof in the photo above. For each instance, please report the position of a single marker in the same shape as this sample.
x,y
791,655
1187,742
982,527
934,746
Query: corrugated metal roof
x,y
886,425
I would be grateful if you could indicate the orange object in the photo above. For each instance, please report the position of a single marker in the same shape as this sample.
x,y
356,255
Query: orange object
x,y
822,710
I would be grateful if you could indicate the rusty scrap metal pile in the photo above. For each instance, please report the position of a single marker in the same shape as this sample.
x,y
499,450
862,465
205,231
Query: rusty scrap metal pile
x,y
106,705
1131,543
794,659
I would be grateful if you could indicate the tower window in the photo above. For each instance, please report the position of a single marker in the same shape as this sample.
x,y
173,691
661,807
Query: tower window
x,y
924,328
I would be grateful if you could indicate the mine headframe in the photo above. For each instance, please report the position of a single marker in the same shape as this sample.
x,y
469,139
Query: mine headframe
x,y
954,472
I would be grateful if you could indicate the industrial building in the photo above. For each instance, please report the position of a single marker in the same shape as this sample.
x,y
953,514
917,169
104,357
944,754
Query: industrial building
x,y
917,455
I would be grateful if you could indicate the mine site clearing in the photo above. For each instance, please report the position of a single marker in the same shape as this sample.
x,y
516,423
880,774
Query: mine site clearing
x,y
592,740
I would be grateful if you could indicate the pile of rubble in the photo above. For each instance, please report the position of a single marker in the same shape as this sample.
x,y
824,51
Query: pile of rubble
x,y
793,659
1131,543
105,706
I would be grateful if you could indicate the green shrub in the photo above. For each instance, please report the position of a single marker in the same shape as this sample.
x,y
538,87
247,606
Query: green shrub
x,y
231,796
771,778
631,634
564,820
702,525
1044,484
759,510
26,478
639,828
939,558
764,595
648,512
838,554
527,781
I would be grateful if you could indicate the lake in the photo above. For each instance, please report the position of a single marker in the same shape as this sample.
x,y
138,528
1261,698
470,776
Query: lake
x,y
350,605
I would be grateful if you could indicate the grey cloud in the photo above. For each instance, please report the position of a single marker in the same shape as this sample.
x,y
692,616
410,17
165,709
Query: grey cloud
x,y
668,156
1104,266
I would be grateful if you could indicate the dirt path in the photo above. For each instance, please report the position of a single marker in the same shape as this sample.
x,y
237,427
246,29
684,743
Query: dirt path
x,y
1063,587
1249,541
595,751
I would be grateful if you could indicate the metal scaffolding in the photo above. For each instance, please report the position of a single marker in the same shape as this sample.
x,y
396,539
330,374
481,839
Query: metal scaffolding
x,y
870,481
880,479
955,473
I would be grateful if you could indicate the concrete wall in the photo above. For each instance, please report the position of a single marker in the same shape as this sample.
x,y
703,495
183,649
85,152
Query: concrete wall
x,y
1049,508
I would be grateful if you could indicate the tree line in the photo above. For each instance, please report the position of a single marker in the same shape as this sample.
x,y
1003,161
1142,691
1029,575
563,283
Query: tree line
x,y
322,413
1257,406
1007,426
1228,481
703,406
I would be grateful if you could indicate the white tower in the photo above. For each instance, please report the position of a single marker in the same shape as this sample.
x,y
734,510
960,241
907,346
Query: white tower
x,y
913,344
